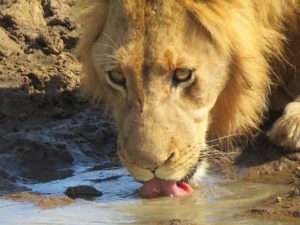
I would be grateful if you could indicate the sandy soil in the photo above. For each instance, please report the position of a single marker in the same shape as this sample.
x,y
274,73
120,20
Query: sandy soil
x,y
45,124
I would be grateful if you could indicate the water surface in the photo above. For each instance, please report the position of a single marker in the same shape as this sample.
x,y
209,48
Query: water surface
x,y
216,201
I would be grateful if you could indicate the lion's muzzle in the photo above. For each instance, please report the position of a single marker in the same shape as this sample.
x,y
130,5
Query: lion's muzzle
x,y
157,150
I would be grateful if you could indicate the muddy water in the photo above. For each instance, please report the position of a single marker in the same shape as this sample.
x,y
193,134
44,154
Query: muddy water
x,y
216,201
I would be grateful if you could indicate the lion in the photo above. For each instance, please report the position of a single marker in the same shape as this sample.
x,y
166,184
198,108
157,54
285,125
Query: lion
x,y
175,74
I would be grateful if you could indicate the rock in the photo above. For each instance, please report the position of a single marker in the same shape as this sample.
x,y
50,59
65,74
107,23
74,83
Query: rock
x,y
258,211
82,191
27,13
36,81
51,42
296,214
278,199
57,8
295,192
30,151
34,156
176,222
294,157
7,45
297,171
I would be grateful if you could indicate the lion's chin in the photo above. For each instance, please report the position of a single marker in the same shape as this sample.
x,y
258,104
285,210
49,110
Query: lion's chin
x,y
157,187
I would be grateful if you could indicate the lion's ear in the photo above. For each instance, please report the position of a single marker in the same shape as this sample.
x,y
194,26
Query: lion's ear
x,y
90,15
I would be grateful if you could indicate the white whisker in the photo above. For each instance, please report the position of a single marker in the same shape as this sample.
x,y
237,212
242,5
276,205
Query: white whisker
x,y
106,63
105,55
221,138
109,68
112,47
106,35
105,60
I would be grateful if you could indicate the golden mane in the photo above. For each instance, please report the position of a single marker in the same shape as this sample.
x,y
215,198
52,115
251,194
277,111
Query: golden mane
x,y
251,33
90,15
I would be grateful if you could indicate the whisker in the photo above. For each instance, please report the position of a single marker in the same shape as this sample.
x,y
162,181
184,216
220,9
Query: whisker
x,y
106,61
109,68
109,64
208,147
221,138
106,35
112,47
106,55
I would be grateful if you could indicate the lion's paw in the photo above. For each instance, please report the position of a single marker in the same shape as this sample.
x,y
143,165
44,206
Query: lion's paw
x,y
286,130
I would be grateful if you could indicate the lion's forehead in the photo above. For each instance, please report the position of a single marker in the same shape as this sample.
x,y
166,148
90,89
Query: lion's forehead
x,y
150,12
154,36
147,23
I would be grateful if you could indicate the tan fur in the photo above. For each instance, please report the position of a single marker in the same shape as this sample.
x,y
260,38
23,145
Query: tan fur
x,y
233,44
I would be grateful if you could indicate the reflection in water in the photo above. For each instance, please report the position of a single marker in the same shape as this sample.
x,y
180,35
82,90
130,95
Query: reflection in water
x,y
216,201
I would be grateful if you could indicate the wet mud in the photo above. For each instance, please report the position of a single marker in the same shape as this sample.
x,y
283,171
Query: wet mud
x,y
49,133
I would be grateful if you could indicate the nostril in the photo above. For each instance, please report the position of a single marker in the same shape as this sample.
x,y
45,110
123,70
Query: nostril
x,y
153,169
172,155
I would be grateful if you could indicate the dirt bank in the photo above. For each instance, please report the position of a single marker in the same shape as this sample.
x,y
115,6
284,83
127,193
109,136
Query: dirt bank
x,y
44,123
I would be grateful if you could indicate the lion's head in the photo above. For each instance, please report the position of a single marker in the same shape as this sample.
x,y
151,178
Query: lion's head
x,y
172,73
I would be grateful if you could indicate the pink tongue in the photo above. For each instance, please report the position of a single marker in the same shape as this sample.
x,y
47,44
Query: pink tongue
x,y
157,187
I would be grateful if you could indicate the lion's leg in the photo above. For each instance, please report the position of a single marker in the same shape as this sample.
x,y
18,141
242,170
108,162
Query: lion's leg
x,y
286,130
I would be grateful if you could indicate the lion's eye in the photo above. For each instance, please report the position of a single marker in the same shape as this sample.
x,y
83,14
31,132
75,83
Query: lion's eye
x,y
182,75
117,77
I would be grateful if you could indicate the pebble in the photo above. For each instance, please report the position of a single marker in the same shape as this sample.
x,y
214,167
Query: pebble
x,y
35,81
296,214
297,171
295,192
258,211
278,199
82,191
294,157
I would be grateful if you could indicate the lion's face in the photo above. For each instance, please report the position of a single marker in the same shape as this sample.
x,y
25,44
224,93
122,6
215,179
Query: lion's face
x,y
161,75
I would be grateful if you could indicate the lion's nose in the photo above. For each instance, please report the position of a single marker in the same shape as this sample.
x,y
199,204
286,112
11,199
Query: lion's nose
x,y
166,161
153,162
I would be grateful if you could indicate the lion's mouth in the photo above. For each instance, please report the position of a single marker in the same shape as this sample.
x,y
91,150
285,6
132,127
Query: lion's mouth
x,y
157,187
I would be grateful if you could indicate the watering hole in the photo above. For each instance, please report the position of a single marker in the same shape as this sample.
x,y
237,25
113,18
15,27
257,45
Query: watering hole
x,y
216,201
51,138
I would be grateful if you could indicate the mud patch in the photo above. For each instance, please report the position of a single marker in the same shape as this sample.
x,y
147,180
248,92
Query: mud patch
x,y
42,201
176,222
284,207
